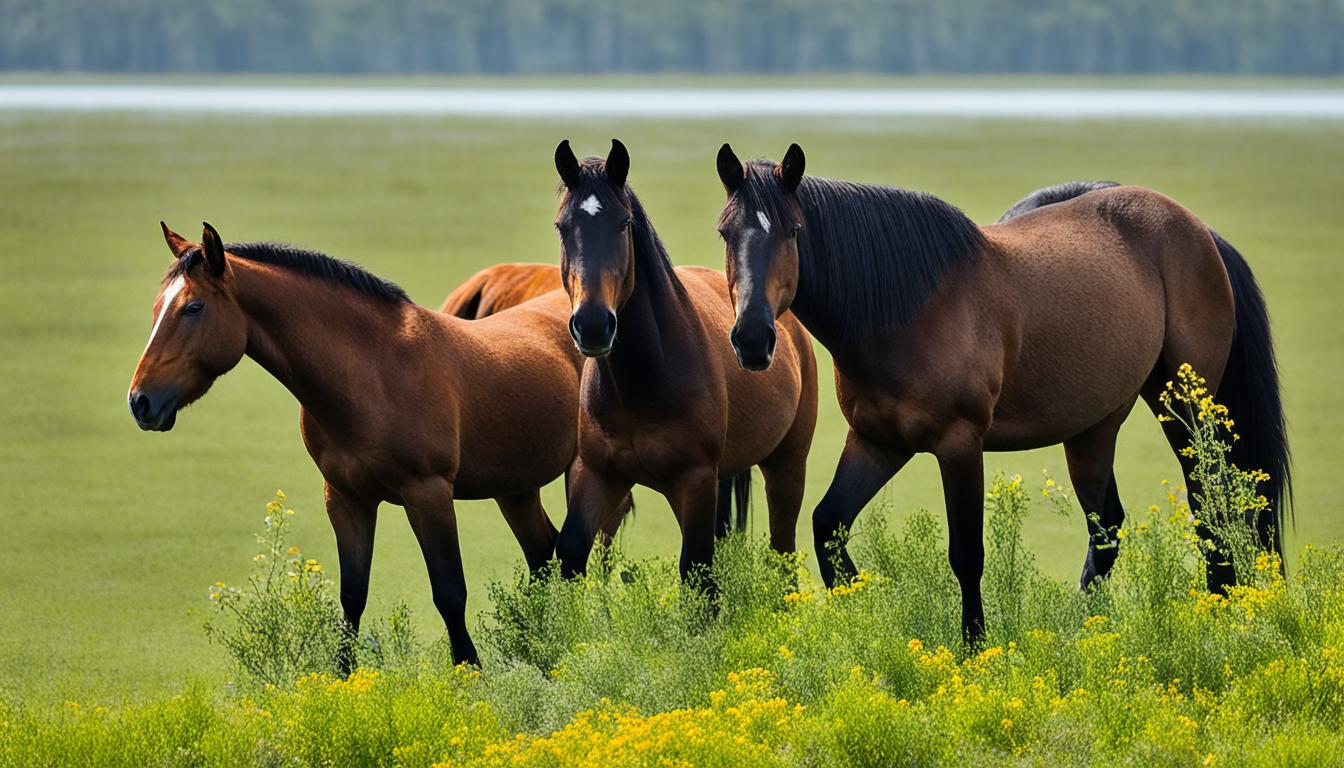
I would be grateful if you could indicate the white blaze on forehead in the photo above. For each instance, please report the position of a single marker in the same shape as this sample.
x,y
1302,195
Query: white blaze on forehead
x,y
169,294
591,205
741,276
765,221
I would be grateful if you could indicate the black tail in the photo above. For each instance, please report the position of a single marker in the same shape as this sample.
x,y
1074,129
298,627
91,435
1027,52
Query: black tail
x,y
468,310
1250,384
1250,390
732,489
742,498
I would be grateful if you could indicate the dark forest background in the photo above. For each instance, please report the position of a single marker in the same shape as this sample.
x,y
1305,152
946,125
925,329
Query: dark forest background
x,y
713,36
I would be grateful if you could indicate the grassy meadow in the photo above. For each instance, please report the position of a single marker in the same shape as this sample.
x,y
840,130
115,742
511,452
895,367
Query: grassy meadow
x,y
109,537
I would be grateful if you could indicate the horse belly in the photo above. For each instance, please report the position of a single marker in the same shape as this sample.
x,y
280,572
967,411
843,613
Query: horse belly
x,y
518,427
1085,349
523,453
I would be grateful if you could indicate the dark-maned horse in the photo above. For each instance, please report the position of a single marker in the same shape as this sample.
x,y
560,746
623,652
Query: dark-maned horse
x,y
495,289
400,404
954,339
662,402
1255,357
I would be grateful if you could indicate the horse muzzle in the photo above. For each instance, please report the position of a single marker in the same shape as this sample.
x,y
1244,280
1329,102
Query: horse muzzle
x,y
154,412
593,330
754,344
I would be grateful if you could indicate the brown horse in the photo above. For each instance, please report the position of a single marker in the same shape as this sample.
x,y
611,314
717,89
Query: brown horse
x,y
662,402
954,339
400,404
495,289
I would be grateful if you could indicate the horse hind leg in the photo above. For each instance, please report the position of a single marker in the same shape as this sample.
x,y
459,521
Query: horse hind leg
x,y
1219,573
1091,459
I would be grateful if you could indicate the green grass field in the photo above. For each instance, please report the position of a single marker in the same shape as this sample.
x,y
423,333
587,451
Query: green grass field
x,y
111,536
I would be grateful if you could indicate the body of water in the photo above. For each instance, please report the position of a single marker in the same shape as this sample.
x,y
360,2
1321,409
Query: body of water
x,y
680,102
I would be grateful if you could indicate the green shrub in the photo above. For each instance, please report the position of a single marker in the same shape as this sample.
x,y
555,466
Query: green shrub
x,y
629,667
286,622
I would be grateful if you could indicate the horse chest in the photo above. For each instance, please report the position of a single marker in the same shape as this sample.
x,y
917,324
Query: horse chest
x,y
887,417
646,448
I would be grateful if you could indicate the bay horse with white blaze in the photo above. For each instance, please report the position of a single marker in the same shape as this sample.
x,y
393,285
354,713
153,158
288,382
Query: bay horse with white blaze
x,y
496,288
662,402
954,339
400,404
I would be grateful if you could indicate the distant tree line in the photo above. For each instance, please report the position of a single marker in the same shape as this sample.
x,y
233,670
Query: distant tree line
x,y
535,36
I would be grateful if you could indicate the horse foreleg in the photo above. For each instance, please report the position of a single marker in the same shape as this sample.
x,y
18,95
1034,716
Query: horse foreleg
x,y
961,463
531,527
695,501
429,507
354,521
863,469
595,503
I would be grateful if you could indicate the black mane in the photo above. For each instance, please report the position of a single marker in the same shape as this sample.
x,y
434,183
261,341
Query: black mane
x,y
305,262
869,256
1054,194
650,254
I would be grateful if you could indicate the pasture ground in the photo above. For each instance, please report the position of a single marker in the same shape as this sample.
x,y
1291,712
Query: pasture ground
x,y
111,536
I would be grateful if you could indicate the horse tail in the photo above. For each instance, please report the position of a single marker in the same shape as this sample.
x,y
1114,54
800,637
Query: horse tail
x,y
465,300
742,499
1250,390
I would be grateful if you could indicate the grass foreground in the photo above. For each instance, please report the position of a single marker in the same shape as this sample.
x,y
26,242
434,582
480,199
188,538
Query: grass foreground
x,y
628,667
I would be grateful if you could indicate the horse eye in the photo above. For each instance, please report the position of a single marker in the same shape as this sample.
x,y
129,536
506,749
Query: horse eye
x,y
794,232
193,307
626,223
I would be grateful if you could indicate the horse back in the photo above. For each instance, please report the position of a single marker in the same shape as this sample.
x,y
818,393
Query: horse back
x,y
1082,298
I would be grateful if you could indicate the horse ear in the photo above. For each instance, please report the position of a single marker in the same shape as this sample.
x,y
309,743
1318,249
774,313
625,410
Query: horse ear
x,y
730,169
618,164
791,170
176,243
566,164
213,248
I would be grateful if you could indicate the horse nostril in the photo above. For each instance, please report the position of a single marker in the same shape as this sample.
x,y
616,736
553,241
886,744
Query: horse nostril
x,y
574,327
139,405
611,324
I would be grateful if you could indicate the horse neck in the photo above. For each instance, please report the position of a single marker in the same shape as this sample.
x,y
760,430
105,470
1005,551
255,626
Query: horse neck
x,y
809,307
319,340
652,323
